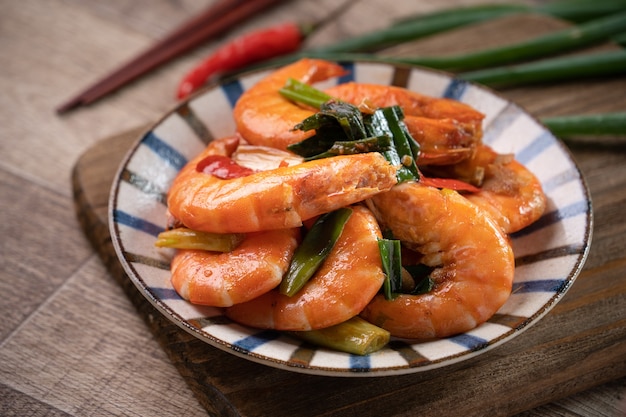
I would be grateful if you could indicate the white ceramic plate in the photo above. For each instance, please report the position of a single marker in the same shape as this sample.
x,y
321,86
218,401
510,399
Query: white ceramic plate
x,y
549,254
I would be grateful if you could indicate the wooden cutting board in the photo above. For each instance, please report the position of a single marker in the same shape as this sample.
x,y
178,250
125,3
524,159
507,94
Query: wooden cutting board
x,y
579,344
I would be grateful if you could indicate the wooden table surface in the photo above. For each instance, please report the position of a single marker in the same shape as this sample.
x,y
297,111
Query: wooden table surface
x,y
71,341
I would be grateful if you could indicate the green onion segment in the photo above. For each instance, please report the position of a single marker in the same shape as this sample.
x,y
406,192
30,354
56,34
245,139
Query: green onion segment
x,y
341,128
392,267
184,238
315,247
356,336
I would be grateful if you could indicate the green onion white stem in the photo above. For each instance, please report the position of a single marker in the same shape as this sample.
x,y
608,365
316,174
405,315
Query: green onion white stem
x,y
355,336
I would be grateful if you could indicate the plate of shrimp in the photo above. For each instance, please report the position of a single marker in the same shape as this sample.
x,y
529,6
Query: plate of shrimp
x,y
492,229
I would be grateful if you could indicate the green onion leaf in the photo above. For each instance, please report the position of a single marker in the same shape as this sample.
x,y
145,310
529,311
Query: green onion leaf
x,y
184,238
390,254
421,276
374,144
558,42
405,151
300,92
314,145
337,121
424,286
314,249
355,336
416,27
587,124
558,69
341,128
425,24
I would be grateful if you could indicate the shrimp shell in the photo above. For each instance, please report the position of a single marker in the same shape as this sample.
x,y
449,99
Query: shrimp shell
x,y
280,198
473,261
447,130
264,117
508,190
222,279
510,193
347,280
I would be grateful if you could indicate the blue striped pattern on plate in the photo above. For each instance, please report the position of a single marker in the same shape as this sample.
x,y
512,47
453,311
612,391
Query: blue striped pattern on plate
x,y
549,254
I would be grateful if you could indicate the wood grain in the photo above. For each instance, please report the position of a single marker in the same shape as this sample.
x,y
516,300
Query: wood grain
x,y
25,286
578,345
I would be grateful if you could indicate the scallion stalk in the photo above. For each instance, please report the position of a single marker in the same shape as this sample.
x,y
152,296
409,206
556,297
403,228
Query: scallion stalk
x,y
579,36
184,238
405,151
390,254
572,10
300,92
315,247
591,124
373,144
601,21
355,336
359,130
339,129
558,42
549,70
421,26
620,39
572,67
580,10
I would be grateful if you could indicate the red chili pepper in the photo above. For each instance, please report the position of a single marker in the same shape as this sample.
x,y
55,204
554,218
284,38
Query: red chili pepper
x,y
222,167
248,49
449,183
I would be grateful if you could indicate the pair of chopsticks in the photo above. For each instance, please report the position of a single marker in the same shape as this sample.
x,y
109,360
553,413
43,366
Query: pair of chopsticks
x,y
213,22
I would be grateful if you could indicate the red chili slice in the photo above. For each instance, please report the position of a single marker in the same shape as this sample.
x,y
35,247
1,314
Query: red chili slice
x,y
222,167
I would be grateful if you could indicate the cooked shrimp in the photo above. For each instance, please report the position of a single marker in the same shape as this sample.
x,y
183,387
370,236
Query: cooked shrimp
x,y
222,279
447,130
442,141
275,199
264,117
509,192
472,260
347,280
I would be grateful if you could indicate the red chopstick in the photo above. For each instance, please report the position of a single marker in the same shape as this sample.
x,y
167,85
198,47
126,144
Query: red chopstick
x,y
214,21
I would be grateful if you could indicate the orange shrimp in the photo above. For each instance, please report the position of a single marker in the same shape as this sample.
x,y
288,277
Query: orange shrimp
x,y
472,259
447,130
222,279
279,198
509,192
264,117
347,280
